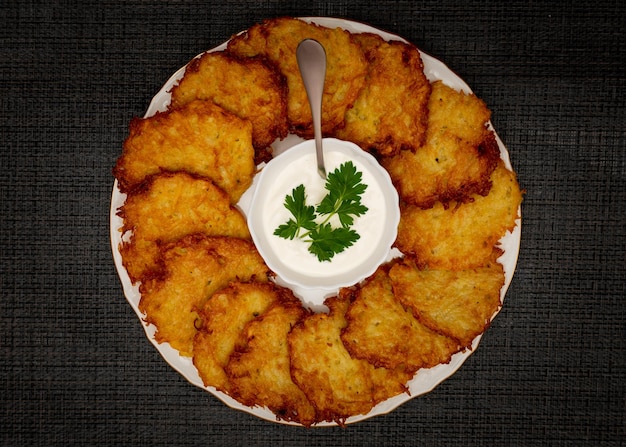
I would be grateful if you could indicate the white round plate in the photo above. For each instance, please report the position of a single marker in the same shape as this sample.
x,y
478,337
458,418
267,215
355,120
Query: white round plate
x,y
425,380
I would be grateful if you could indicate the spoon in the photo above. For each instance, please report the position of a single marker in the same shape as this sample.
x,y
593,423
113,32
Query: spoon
x,y
312,64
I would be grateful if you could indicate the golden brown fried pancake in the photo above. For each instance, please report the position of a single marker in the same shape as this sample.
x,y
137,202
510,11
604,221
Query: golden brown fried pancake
x,y
463,235
462,114
168,206
380,330
338,385
221,322
259,370
250,88
195,267
391,112
199,137
458,304
446,169
278,39
458,157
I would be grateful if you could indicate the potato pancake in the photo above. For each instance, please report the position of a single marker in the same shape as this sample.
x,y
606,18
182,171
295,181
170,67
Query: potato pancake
x,y
199,137
462,235
338,385
221,322
346,67
250,88
458,157
458,304
259,370
391,112
380,330
462,114
168,206
195,267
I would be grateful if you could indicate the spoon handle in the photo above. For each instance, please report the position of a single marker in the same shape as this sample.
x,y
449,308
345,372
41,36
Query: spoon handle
x,y
312,64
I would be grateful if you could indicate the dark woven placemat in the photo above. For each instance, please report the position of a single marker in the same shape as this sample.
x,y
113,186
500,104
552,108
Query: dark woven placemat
x,y
75,366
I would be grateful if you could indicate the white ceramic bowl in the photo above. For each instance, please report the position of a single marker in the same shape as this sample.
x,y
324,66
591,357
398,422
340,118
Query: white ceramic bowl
x,y
290,259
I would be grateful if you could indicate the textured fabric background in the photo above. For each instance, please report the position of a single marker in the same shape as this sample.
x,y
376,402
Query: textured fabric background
x,y
75,366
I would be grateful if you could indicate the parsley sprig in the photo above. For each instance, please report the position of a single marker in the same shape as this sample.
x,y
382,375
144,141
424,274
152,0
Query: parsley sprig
x,y
312,223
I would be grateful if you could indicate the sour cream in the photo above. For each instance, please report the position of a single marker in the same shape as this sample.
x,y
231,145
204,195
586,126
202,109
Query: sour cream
x,y
290,259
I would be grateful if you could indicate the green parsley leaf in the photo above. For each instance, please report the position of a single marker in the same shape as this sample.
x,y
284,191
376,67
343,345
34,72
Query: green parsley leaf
x,y
327,241
304,215
344,194
349,209
287,230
